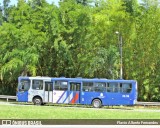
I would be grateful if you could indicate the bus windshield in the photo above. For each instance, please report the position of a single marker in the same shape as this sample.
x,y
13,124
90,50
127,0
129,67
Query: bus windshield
x,y
24,85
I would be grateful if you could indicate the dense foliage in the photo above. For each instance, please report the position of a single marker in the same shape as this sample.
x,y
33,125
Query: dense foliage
x,y
77,38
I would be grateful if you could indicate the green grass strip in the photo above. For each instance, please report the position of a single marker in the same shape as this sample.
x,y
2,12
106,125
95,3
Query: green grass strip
x,y
58,112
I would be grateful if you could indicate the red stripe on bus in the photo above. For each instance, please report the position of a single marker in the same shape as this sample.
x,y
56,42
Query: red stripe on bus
x,y
75,98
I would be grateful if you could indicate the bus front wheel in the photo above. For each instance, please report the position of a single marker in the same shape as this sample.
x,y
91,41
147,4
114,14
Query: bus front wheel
x,y
37,101
96,103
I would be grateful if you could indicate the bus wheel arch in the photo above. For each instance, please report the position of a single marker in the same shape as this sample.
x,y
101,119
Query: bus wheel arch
x,y
97,103
37,100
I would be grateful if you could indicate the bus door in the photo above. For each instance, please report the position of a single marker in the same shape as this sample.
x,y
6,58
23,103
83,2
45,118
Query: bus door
x,y
48,91
74,93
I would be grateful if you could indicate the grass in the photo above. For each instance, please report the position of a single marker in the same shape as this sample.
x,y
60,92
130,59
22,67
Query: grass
x,y
58,112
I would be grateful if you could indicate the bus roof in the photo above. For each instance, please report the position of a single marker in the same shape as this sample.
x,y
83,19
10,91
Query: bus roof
x,y
78,79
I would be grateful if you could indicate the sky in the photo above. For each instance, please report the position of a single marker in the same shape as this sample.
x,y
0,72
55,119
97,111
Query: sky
x,y
49,1
15,1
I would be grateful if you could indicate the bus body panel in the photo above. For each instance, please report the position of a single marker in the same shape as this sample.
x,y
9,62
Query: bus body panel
x,y
66,97
33,93
59,96
107,99
38,92
75,95
75,99
22,96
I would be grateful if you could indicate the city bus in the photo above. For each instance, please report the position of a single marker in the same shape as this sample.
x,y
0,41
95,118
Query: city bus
x,y
96,92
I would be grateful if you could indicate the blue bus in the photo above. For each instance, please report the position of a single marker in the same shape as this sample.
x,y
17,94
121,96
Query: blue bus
x,y
96,92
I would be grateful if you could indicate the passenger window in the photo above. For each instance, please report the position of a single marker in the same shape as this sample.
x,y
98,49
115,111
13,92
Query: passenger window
x,y
87,87
37,84
61,85
100,87
112,87
126,87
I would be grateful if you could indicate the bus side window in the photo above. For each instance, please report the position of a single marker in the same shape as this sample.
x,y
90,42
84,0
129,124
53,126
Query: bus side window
x,y
126,87
112,87
87,86
61,85
37,84
100,87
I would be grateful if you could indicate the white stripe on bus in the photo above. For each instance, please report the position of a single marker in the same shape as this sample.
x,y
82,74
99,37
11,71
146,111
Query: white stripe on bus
x,y
69,98
63,98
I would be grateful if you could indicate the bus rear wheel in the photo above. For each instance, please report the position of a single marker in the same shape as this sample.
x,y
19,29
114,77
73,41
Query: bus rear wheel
x,y
96,103
37,101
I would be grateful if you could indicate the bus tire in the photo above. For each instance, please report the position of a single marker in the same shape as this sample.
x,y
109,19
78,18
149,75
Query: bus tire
x,y
37,101
96,103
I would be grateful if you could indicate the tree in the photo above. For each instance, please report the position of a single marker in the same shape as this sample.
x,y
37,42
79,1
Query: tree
x,y
73,40
6,9
1,16
19,43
